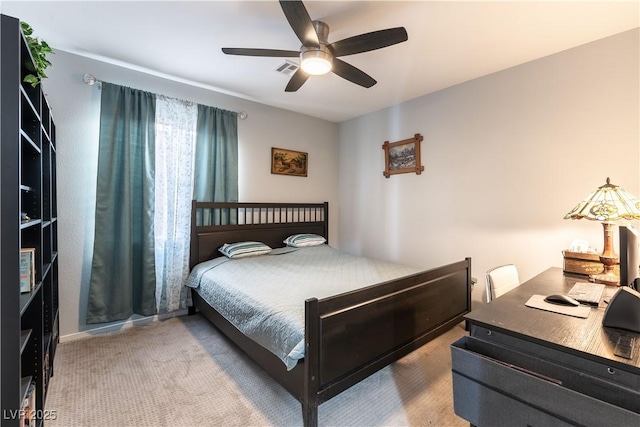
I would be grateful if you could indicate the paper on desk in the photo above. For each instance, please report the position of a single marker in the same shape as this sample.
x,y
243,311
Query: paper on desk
x,y
537,301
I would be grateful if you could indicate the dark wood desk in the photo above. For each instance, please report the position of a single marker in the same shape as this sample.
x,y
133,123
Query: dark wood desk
x,y
525,366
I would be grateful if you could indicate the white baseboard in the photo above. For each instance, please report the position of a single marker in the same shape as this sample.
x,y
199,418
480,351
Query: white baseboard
x,y
121,326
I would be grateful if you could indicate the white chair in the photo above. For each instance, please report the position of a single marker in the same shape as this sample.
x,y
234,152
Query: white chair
x,y
501,280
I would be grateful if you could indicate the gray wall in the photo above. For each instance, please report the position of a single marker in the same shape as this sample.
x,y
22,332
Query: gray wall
x,y
76,110
506,156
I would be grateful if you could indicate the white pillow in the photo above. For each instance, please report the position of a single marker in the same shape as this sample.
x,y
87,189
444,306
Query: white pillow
x,y
302,240
244,249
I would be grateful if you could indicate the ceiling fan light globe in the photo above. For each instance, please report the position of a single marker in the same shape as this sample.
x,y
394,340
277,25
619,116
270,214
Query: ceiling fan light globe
x,y
316,62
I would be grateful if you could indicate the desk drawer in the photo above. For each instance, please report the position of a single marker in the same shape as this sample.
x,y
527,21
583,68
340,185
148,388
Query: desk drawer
x,y
615,375
489,390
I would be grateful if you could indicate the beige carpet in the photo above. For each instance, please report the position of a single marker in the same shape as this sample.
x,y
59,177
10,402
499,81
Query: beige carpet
x,y
183,372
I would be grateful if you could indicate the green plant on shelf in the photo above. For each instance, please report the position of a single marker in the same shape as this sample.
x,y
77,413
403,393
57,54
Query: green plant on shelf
x,y
39,50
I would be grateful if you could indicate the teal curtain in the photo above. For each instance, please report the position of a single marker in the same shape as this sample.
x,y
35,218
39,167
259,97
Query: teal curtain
x,y
123,269
216,158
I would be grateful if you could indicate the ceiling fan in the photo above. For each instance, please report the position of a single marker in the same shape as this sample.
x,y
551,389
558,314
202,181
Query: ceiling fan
x,y
317,55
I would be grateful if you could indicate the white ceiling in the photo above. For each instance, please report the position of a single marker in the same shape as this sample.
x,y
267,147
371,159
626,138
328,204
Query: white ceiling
x,y
449,42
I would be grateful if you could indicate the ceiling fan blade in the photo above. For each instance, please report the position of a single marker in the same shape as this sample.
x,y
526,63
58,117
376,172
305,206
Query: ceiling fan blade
x,y
296,81
300,22
261,52
369,41
351,73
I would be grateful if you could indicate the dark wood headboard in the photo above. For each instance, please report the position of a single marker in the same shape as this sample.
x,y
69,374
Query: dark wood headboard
x,y
216,223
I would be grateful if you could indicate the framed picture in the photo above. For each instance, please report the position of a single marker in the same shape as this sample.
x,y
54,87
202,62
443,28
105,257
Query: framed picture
x,y
402,156
289,162
27,269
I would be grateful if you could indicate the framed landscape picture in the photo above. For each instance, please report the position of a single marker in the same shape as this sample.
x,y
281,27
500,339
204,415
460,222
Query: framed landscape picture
x,y
289,162
402,156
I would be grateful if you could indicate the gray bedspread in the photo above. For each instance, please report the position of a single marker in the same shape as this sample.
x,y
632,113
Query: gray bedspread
x,y
264,296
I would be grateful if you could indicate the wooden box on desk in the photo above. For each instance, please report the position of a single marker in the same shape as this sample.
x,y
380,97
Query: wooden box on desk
x,y
584,263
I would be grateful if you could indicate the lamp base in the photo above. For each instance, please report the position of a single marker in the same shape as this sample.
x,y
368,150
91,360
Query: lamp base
x,y
605,279
608,259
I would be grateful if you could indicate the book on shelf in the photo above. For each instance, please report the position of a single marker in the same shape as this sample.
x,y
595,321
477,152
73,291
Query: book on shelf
x,y
46,373
55,330
27,269
28,410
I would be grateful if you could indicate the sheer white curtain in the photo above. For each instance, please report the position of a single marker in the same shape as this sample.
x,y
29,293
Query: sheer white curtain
x,y
175,142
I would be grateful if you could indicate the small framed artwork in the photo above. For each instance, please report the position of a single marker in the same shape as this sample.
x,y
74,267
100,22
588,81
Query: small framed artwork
x,y
27,269
402,156
289,162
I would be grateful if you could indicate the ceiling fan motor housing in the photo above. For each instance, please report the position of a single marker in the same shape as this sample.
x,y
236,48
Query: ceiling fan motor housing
x,y
322,30
317,60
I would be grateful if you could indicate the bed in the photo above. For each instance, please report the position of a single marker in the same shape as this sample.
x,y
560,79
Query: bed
x,y
347,336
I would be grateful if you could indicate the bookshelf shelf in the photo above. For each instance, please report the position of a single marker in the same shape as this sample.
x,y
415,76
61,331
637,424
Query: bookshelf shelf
x,y
24,338
24,386
29,141
31,223
27,297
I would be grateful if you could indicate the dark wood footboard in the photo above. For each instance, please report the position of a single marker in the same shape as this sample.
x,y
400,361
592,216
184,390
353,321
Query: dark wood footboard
x,y
352,335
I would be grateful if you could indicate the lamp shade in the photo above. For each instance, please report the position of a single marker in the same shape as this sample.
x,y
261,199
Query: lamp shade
x,y
607,203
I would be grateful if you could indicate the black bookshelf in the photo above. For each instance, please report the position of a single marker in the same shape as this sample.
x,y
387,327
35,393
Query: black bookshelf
x,y
28,219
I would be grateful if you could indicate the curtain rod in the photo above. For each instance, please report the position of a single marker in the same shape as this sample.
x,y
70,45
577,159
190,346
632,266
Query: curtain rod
x,y
90,79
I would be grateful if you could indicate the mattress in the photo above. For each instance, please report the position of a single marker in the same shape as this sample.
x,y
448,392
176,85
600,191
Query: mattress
x,y
264,296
